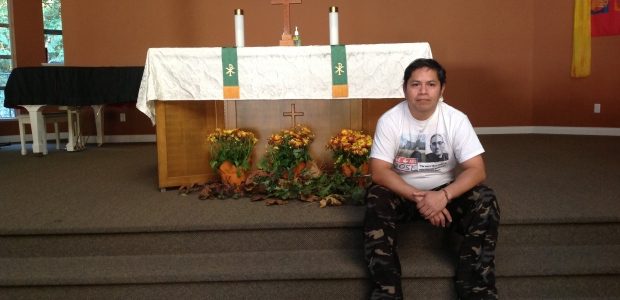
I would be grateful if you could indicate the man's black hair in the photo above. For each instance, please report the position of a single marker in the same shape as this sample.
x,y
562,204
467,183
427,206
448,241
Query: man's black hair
x,y
425,63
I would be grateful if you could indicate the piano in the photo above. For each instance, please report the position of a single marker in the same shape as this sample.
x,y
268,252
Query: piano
x,y
74,87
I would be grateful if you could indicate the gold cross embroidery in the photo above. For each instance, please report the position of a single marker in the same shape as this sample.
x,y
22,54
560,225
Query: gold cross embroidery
x,y
230,70
339,69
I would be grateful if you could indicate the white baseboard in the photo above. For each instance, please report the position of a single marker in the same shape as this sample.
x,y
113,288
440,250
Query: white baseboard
x,y
151,138
609,131
91,139
138,138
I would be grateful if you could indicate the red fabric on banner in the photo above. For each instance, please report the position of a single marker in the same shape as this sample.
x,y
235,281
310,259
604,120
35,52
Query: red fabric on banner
x,y
605,17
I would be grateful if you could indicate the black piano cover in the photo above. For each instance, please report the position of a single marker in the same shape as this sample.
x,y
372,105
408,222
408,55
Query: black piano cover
x,y
72,86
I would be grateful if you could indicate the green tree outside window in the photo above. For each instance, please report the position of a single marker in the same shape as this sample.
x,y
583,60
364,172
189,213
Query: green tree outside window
x,y
52,27
6,60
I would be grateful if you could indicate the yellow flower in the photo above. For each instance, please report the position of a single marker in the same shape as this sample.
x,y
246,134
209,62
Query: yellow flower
x,y
234,145
350,146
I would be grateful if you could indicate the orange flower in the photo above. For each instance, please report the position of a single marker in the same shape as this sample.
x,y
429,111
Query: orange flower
x,y
234,145
350,147
284,147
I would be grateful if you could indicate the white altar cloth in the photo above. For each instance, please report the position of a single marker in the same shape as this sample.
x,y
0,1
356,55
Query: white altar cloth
x,y
274,73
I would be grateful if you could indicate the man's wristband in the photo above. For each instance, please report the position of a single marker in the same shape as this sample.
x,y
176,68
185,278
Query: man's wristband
x,y
446,194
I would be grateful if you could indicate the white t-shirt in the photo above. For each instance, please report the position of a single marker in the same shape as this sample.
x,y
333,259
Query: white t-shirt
x,y
425,153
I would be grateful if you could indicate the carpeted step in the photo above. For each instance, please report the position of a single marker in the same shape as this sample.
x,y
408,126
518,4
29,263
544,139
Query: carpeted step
x,y
522,288
204,241
590,287
417,235
538,234
232,266
518,261
521,270
104,231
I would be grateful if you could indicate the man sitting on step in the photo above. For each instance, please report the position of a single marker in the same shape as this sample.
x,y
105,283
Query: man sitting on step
x,y
406,188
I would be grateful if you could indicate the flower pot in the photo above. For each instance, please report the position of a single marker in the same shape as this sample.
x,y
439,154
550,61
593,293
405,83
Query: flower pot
x,y
364,169
228,173
349,170
296,170
299,168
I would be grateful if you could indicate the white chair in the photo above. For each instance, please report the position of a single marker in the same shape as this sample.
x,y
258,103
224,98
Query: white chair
x,y
54,118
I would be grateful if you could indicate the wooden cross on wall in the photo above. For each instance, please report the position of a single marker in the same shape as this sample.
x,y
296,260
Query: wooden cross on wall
x,y
287,39
293,115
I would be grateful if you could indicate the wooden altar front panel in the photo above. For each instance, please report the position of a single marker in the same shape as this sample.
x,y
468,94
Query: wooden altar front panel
x,y
182,128
182,149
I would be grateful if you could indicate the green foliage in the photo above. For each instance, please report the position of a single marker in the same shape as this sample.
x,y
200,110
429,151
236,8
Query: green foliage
x,y
4,12
6,64
5,39
51,14
339,184
307,185
284,177
52,20
286,150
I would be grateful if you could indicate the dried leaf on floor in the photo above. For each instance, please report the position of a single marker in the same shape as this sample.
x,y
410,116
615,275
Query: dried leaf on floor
x,y
205,193
258,198
309,198
185,190
270,202
331,200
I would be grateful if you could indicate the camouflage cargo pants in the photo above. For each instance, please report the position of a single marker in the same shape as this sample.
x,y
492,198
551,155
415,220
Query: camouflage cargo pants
x,y
475,215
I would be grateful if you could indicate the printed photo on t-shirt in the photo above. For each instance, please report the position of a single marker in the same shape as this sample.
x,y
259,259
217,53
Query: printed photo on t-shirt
x,y
410,153
413,156
438,149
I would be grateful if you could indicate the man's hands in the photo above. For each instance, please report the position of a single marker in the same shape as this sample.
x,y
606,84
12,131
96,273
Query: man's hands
x,y
432,205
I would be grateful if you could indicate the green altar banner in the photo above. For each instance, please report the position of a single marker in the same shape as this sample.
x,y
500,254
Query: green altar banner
x,y
230,70
340,86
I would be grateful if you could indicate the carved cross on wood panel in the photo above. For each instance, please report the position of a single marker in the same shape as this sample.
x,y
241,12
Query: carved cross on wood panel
x,y
286,19
293,114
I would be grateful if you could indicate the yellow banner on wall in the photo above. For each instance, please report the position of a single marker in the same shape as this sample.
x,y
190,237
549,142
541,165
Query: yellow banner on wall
x,y
582,40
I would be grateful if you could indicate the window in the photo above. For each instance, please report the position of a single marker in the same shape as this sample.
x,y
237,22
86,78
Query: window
x,y
52,29
6,59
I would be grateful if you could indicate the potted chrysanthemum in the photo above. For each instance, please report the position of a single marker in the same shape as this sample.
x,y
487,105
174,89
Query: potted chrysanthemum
x,y
231,151
351,150
288,151
287,165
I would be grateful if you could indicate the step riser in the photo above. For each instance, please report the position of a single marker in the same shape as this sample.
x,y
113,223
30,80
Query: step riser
x,y
578,287
410,236
559,234
196,242
178,242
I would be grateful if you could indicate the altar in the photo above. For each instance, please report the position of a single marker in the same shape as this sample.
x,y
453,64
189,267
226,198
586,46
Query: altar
x,y
188,92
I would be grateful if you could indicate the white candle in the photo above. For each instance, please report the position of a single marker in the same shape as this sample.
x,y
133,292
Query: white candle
x,y
239,35
333,25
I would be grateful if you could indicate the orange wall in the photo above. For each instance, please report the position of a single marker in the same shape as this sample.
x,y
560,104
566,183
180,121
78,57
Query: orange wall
x,y
508,61
27,27
484,45
558,99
